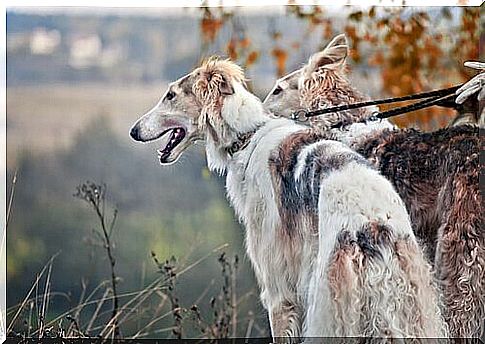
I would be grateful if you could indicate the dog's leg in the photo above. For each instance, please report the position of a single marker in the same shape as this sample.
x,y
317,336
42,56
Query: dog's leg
x,y
460,256
286,321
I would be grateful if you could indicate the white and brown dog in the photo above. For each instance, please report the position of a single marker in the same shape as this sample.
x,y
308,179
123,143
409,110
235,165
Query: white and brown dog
x,y
436,174
329,238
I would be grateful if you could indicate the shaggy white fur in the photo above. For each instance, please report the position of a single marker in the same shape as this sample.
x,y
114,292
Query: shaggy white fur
x,y
328,237
384,299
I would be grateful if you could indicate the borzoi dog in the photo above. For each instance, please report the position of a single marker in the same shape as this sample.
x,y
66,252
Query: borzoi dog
x,y
328,237
436,174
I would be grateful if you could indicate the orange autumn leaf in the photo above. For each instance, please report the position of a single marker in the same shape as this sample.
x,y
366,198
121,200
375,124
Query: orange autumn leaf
x,y
209,27
327,29
245,42
231,50
382,23
376,59
315,20
356,16
372,12
252,58
351,32
355,55
280,56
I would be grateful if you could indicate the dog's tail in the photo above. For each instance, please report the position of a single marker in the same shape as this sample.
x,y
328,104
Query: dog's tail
x,y
371,278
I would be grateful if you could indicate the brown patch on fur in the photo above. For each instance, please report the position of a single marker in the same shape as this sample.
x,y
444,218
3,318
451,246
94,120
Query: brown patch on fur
x,y
437,176
418,165
418,272
344,281
462,244
291,146
282,163
363,269
285,323
381,234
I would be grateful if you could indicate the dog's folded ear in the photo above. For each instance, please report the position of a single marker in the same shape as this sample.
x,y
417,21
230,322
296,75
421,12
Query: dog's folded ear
x,y
225,88
334,54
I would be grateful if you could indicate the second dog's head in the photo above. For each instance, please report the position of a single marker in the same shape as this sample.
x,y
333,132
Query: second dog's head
x,y
313,82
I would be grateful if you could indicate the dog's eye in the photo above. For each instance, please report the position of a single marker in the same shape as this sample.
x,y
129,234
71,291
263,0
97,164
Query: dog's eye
x,y
170,95
277,91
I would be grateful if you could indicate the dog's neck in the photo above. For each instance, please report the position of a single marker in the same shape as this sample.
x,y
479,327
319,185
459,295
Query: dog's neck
x,y
242,114
331,88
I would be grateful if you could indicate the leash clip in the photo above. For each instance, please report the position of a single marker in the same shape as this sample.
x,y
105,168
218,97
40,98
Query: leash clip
x,y
374,117
300,115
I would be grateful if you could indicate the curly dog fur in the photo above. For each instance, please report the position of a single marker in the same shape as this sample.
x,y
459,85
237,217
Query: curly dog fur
x,y
436,174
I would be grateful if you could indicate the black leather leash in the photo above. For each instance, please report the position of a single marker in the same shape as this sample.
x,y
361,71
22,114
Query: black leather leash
x,y
432,98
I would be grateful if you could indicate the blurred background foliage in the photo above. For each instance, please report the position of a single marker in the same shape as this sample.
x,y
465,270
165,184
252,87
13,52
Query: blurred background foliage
x,y
78,78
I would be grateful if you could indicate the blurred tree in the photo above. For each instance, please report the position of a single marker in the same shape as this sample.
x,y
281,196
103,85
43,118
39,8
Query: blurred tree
x,y
413,55
405,44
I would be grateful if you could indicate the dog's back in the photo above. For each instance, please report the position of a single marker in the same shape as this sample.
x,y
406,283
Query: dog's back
x,y
369,277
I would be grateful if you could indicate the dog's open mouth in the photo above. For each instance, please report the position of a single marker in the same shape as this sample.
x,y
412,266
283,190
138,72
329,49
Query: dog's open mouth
x,y
176,136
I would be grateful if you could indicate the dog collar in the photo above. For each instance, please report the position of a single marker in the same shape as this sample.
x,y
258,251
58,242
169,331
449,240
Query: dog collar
x,y
241,142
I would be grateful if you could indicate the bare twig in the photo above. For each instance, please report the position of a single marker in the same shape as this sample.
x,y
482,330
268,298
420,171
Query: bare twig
x,y
95,195
168,269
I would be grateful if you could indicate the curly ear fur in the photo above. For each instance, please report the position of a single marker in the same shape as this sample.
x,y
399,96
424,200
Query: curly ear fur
x,y
209,88
331,57
213,83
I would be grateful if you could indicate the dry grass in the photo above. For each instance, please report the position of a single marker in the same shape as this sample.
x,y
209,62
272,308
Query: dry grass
x,y
157,302
104,311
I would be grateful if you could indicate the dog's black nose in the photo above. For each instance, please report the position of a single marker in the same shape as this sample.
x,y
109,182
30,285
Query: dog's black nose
x,y
135,133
